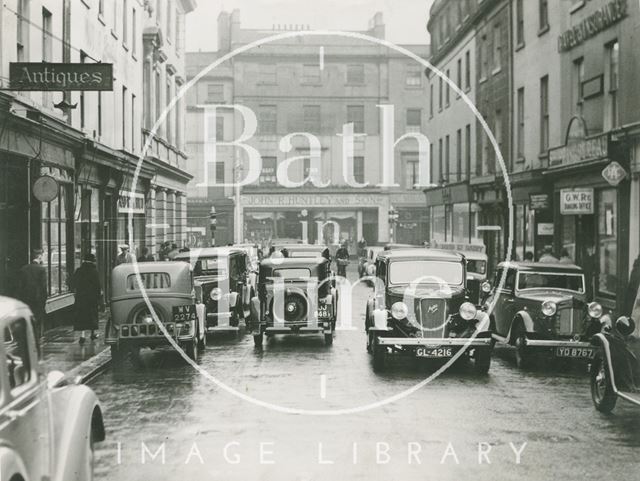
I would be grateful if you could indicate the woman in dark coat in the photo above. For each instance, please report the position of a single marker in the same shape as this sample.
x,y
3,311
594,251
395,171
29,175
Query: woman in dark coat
x,y
88,293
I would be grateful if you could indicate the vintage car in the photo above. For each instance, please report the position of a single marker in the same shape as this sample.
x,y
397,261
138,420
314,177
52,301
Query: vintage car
x,y
543,308
48,425
302,250
368,259
477,276
615,371
169,288
224,279
420,307
295,296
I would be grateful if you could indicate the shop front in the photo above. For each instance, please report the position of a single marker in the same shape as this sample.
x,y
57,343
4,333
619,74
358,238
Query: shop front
x,y
318,218
452,215
590,215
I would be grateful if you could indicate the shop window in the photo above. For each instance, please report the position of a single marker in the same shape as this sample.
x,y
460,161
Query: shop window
x,y
438,223
607,242
460,224
54,217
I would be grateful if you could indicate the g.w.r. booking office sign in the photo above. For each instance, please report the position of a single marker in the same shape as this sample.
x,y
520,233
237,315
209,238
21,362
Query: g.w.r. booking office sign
x,y
43,76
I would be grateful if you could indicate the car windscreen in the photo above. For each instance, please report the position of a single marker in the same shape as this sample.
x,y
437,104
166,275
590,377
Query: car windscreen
x,y
307,254
425,272
476,266
551,280
210,266
293,273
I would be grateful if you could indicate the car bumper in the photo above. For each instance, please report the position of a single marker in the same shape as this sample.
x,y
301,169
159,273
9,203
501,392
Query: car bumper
x,y
556,343
419,341
565,349
149,335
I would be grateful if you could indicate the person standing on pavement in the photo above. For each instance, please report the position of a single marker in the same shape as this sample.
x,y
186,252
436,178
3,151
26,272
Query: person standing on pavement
x,y
125,257
33,291
565,258
88,293
146,256
547,255
342,259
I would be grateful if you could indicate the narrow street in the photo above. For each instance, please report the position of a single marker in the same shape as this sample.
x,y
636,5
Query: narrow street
x,y
167,402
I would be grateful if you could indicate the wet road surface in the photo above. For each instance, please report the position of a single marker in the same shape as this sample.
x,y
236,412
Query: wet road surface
x,y
449,429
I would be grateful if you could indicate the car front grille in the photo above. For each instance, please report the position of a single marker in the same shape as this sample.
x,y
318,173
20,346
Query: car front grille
x,y
565,320
433,313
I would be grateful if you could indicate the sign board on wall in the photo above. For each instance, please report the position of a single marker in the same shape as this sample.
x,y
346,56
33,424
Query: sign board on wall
x,y
576,201
45,76
539,201
131,203
546,228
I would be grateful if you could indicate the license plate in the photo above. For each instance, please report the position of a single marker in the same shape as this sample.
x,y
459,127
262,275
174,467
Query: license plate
x,y
323,312
184,313
434,352
576,352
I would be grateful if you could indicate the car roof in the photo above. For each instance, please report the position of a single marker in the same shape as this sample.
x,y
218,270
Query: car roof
x,y
208,252
301,247
292,262
541,266
422,253
9,305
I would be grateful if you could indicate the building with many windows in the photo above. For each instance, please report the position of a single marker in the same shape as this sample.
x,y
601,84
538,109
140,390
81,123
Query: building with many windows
x,y
89,142
312,84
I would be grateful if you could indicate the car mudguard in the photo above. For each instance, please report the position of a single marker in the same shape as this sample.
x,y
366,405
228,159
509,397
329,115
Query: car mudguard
x,y
78,415
526,321
233,299
11,464
255,312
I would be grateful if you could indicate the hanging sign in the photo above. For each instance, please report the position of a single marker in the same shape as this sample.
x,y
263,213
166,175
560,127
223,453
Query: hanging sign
x,y
45,76
45,188
614,173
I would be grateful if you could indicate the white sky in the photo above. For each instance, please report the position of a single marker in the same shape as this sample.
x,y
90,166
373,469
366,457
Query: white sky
x,y
406,20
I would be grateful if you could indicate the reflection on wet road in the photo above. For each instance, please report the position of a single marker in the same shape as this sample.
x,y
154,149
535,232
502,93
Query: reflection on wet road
x,y
443,431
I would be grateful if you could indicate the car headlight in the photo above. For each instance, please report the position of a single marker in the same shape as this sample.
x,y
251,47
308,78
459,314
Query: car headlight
x,y
216,294
595,310
399,310
486,287
467,311
549,308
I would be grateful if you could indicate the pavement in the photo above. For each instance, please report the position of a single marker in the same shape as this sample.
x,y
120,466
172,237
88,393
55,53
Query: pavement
x,y
61,351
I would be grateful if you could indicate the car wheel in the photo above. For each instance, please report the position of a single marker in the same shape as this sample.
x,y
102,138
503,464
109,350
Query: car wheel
x,y
117,357
328,339
257,340
602,394
134,357
191,350
482,360
379,355
90,457
523,355
202,343
370,341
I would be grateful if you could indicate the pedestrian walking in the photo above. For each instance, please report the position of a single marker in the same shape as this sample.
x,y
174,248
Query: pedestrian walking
x,y
125,257
88,293
565,258
342,259
33,291
146,256
173,252
547,255
528,256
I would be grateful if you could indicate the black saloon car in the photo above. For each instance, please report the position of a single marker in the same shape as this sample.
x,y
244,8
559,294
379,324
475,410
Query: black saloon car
x,y
295,296
615,372
223,281
421,308
543,308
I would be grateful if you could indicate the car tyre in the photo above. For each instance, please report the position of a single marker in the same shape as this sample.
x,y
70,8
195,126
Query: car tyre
x,y
482,361
602,394
523,355
202,343
258,340
328,339
117,356
191,350
379,355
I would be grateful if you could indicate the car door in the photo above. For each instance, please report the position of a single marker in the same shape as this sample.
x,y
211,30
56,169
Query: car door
x,y
504,309
24,417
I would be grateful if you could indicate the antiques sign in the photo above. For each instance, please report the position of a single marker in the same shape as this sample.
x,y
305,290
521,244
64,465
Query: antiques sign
x,y
576,201
44,76
600,20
